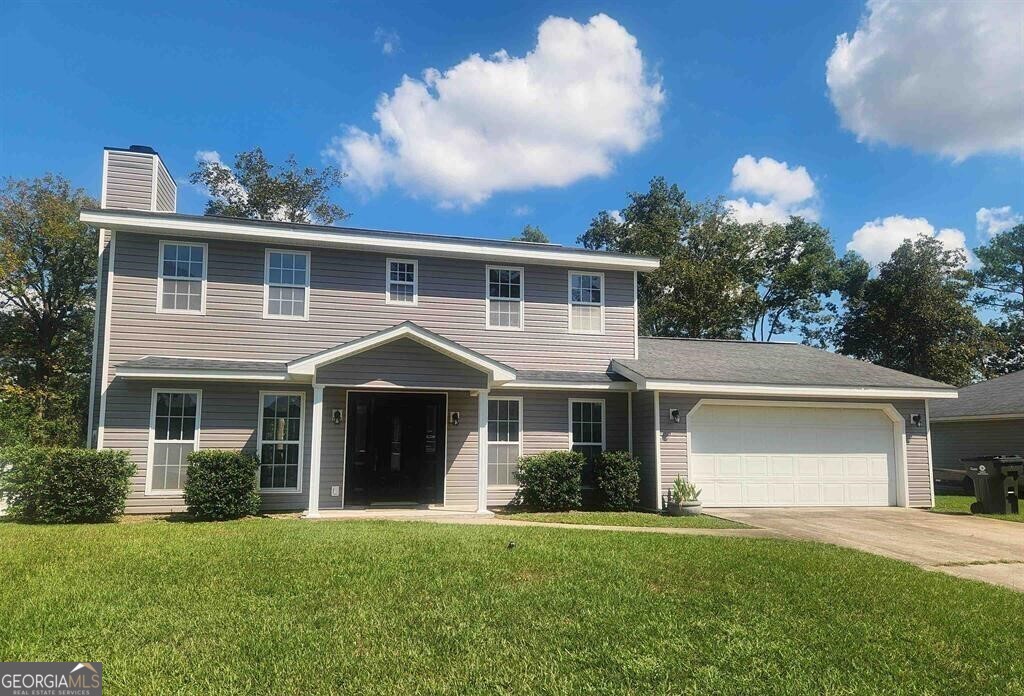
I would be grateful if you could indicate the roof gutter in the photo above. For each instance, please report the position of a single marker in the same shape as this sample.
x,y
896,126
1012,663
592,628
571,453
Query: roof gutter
x,y
277,233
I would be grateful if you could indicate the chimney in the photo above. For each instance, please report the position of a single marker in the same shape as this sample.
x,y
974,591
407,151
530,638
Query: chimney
x,y
136,179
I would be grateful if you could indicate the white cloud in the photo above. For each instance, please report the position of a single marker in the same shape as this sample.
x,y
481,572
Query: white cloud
x,y
876,240
521,210
789,191
208,156
560,113
388,40
942,76
992,221
616,216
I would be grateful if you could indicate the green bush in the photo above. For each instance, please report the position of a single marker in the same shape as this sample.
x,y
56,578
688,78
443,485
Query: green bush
x,y
221,484
550,481
617,480
64,484
40,418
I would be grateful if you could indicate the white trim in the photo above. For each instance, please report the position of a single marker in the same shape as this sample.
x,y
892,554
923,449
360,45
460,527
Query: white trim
x,y
636,317
160,277
604,423
415,282
749,389
657,450
155,162
487,439
582,386
572,304
314,450
302,437
496,370
103,183
348,238
629,421
266,284
898,422
152,434
93,376
487,298
107,305
164,373
931,467
998,416
481,451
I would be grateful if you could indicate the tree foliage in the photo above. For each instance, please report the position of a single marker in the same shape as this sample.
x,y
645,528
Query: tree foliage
x,y
252,189
915,316
1000,286
532,233
47,293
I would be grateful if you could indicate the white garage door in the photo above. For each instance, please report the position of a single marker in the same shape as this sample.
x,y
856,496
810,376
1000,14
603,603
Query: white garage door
x,y
771,455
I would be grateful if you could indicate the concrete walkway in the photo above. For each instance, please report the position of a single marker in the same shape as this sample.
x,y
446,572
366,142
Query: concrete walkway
x,y
967,547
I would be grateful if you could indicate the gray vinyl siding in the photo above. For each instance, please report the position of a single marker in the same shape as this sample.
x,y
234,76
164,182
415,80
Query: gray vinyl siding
x,y
402,363
644,438
461,482
129,182
954,440
165,189
347,301
673,442
332,449
545,424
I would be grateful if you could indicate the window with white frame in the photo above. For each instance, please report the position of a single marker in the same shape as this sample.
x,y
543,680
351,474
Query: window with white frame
x,y
504,298
175,433
286,289
586,302
182,279
504,440
280,441
402,281
587,424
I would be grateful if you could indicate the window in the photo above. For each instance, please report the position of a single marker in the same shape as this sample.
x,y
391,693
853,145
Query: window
x,y
402,282
181,284
504,298
286,290
174,432
280,441
586,419
586,302
504,441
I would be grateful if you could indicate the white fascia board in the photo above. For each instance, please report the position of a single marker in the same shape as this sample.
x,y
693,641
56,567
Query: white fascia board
x,y
999,416
798,390
345,239
499,373
142,373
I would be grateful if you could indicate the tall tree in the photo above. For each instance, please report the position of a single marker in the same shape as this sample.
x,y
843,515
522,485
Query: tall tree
x,y
532,233
251,189
915,316
702,288
1000,282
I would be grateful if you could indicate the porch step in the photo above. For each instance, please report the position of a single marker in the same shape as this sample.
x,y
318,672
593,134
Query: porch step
x,y
397,505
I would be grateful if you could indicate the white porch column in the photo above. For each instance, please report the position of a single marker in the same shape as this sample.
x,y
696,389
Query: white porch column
x,y
481,503
314,455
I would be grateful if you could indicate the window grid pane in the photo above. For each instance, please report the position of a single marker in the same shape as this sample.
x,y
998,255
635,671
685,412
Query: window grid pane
x,y
287,277
401,281
586,317
174,435
280,441
503,446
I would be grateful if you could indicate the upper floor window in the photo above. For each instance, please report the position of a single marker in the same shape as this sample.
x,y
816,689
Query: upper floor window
x,y
586,302
402,280
286,286
181,285
504,298
174,434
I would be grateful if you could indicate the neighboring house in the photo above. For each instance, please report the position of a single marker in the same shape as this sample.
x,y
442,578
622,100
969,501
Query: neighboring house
x,y
987,420
368,367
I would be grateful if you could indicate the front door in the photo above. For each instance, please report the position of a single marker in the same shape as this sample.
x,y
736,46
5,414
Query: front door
x,y
395,448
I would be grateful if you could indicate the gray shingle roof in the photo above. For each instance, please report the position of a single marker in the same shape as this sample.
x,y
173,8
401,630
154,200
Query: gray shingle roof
x,y
996,397
747,362
558,376
158,362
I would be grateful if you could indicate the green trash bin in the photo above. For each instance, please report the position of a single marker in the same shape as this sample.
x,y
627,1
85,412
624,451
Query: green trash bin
x,y
997,483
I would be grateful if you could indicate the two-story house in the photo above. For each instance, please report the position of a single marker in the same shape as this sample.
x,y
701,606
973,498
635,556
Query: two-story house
x,y
370,367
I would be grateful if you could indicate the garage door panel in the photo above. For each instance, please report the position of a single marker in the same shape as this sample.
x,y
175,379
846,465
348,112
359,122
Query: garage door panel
x,y
769,455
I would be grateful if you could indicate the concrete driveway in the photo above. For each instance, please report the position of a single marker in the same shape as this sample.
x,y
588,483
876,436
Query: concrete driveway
x,y
968,547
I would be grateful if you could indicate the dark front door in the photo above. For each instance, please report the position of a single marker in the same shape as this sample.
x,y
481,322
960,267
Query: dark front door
x,y
395,448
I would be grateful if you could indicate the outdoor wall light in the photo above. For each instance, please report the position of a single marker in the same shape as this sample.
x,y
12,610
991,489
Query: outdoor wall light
x,y
454,417
916,420
673,413
337,415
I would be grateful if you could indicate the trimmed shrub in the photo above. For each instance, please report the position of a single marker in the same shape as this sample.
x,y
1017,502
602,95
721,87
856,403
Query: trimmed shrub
x,y
221,484
550,481
617,480
64,484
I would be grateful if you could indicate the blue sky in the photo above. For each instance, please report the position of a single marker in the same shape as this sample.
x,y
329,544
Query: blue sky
x,y
734,78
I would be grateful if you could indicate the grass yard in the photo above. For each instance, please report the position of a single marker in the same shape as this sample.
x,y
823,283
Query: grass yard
x,y
292,606
952,504
625,519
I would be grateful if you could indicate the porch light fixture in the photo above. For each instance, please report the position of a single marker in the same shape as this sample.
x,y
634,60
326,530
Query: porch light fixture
x,y
454,417
673,413
916,420
337,415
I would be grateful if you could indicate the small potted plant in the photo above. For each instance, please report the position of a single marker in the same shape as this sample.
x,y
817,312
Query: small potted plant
x,y
681,500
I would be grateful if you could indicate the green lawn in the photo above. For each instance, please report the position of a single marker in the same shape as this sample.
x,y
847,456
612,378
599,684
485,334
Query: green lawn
x,y
953,504
626,519
292,606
